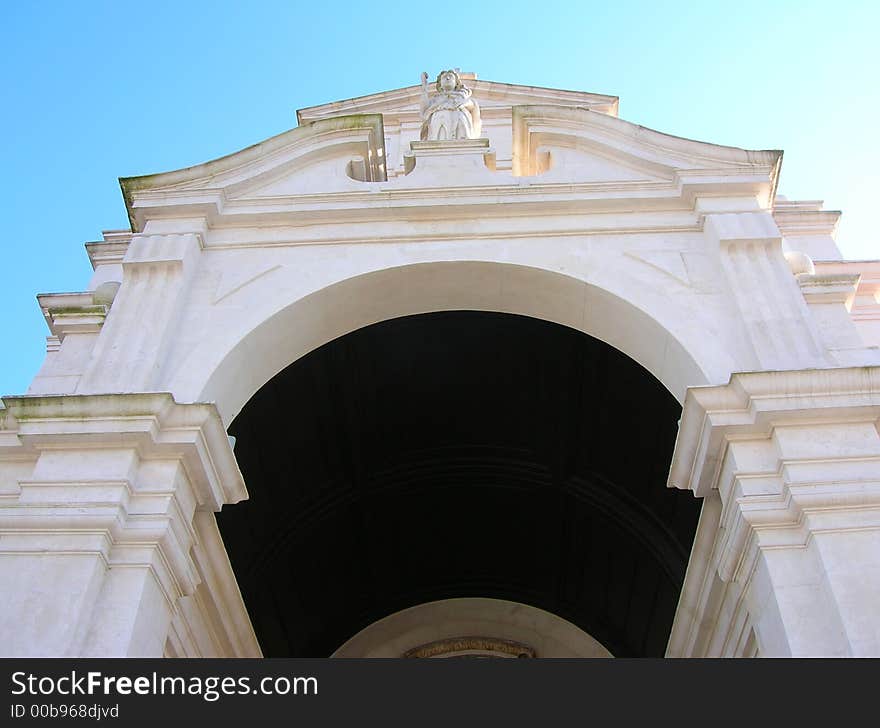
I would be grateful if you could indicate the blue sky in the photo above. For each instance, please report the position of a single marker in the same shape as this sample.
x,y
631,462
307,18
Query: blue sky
x,y
94,91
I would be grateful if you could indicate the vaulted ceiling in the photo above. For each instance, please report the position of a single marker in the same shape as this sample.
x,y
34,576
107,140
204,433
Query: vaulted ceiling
x,y
459,454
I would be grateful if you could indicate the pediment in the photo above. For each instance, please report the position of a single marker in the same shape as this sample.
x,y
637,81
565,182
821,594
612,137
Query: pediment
x,y
332,155
561,158
331,164
402,104
581,145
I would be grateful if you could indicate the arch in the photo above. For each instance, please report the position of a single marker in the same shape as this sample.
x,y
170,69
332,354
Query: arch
x,y
447,619
249,361
459,454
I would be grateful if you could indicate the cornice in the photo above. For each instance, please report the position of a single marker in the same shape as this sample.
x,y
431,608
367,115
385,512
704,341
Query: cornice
x,y
209,177
794,222
753,403
305,239
152,423
868,270
666,149
491,94
72,313
111,249
829,288
470,203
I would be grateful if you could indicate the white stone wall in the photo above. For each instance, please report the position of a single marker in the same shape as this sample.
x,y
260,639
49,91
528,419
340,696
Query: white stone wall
x,y
675,252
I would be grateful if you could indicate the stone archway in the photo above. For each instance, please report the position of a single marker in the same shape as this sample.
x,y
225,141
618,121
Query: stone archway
x,y
482,627
459,454
254,347
675,255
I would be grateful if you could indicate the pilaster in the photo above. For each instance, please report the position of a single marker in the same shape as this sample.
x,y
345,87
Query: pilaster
x,y
103,501
794,458
775,317
157,270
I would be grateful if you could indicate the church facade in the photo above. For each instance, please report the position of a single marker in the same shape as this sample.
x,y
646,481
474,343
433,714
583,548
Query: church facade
x,y
459,368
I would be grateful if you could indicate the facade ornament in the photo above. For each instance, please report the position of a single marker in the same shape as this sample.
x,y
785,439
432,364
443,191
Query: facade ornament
x,y
472,647
800,263
451,112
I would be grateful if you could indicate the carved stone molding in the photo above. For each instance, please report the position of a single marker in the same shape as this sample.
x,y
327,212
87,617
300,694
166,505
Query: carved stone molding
x,y
106,491
472,647
790,463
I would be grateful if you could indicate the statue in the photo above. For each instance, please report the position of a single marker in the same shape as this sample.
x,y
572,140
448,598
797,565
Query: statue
x,y
451,113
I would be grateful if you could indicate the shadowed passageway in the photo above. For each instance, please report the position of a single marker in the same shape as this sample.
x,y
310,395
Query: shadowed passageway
x,y
459,454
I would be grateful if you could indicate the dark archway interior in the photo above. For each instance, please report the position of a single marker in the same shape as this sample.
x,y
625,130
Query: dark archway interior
x,y
459,454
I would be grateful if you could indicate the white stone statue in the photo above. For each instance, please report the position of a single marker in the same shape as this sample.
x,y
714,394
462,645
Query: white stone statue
x,y
451,113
